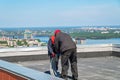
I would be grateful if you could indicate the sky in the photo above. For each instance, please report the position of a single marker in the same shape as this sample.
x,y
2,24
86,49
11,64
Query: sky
x,y
42,13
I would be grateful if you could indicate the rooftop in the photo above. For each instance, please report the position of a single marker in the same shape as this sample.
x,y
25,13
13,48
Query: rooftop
x,y
102,68
95,62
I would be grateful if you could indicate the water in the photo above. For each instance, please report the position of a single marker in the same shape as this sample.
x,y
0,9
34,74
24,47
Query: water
x,y
103,41
42,38
89,41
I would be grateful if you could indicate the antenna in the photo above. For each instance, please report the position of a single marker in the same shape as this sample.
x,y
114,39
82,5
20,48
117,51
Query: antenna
x,y
3,34
18,33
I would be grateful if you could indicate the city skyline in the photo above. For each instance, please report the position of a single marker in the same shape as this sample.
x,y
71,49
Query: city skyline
x,y
38,13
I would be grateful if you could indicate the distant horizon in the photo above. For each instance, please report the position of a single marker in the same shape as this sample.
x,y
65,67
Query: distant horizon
x,y
118,26
61,26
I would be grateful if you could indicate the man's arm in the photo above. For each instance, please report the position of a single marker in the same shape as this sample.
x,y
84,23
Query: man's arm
x,y
57,47
50,50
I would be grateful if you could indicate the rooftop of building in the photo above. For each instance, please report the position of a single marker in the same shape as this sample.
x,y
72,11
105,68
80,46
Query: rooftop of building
x,y
95,62
102,68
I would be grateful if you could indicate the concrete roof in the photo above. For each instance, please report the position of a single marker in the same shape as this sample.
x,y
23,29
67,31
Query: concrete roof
x,y
100,68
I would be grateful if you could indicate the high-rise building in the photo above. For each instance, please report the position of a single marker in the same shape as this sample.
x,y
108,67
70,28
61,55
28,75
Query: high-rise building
x,y
28,34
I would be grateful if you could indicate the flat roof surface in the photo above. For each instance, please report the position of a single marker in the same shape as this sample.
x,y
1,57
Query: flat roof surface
x,y
99,68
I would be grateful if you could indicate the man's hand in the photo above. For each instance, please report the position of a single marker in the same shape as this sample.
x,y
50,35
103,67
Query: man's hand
x,y
53,55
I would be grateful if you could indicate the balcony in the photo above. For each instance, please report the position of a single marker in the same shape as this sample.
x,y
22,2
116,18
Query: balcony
x,y
95,62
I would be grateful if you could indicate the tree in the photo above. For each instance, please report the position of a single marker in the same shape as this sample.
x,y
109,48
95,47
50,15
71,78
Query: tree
x,y
19,43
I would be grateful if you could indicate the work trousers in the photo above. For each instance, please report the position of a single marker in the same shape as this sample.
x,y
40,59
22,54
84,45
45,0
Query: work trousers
x,y
66,56
55,61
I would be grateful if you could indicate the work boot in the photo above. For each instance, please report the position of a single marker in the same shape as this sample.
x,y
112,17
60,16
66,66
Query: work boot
x,y
64,77
73,78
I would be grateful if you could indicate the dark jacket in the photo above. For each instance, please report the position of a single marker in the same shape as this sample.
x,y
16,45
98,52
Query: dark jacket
x,y
64,42
51,47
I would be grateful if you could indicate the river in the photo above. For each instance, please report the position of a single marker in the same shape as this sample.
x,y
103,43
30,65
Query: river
x,y
90,41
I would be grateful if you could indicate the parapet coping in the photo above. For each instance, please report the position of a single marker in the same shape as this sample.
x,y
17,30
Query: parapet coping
x,y
24,72
6,52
